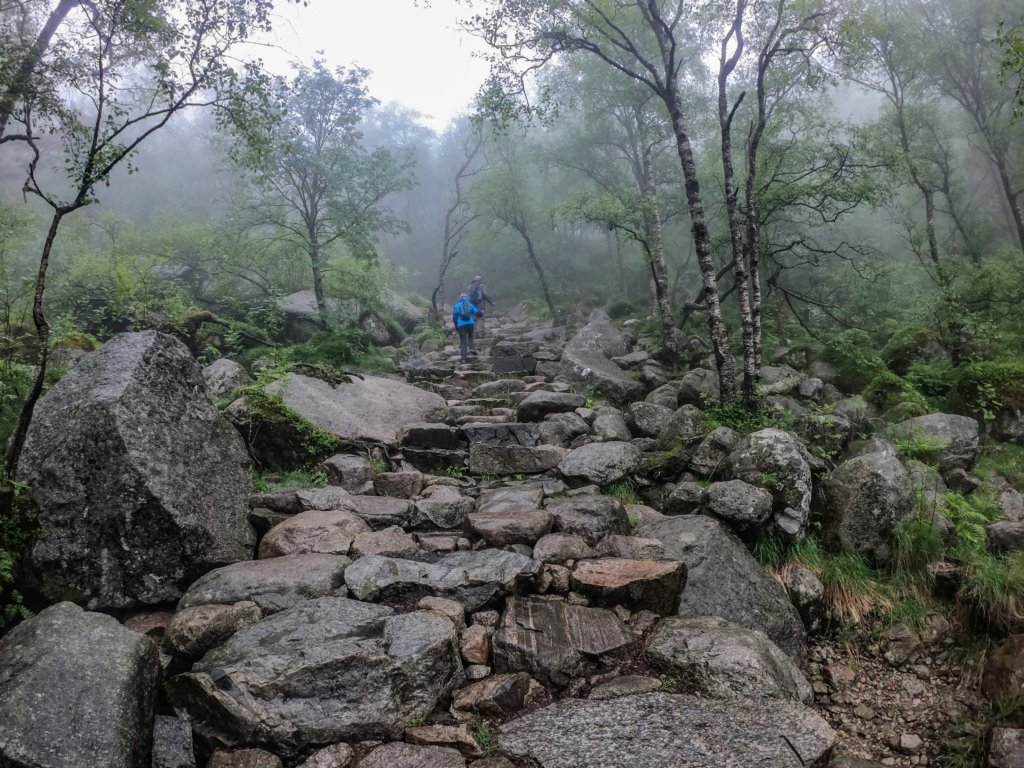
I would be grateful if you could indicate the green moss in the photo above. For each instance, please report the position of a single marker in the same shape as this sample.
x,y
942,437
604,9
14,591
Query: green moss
x,y
296,441
894,393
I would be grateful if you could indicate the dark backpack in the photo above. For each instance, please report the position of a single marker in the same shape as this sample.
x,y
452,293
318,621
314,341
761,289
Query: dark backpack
x,y
476,292
465,312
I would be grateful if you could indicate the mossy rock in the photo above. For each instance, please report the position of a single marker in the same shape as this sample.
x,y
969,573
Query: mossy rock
x,y
895,396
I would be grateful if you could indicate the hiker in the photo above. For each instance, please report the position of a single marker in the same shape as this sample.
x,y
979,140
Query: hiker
x,y
464,315
477,293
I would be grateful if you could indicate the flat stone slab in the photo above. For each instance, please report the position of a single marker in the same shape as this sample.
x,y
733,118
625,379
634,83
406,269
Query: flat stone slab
x,y
660,730
328,670
379,512
372,408
470,578
556,641
652,585
601,463
502,435
328,532
500,529
510,499
509,460
273,584
401,755
592,517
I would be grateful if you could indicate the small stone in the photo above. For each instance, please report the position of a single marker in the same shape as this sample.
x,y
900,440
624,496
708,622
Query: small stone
x,y
449,608
909,744
922,671
476,644
334,756
864,712
477,672
456,736
244,758
486,618
627,685
840,676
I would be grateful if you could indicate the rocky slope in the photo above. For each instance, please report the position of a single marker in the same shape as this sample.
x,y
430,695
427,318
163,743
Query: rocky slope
x,y
479,584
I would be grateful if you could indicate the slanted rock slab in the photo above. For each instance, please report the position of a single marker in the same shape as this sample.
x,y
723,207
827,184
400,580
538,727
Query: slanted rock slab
x,y
328,670
537,405
273,584
592,517
652,585
717,658
659,730
556,641
401,755
500,529
509,460
470,578
76,689
323,532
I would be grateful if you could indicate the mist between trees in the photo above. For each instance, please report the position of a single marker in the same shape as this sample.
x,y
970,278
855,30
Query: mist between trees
x,y
744,177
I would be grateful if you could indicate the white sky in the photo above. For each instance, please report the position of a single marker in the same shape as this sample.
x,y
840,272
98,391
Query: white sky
x,y
416,55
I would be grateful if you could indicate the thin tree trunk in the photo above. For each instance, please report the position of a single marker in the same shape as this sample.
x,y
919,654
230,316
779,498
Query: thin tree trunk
x,y
719,334
732,206
925,189
659,267
318,281
1012,197
535,262
17,443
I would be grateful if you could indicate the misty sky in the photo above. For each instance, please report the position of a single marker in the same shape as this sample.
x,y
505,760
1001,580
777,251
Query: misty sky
x,y
417,55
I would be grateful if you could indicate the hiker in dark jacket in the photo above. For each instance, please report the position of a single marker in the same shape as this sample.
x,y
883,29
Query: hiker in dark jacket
x,y
477,292
464,315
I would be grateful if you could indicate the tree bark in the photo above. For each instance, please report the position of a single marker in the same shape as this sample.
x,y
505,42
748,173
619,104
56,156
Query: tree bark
x,y
318,279
17,443
671,342
520,227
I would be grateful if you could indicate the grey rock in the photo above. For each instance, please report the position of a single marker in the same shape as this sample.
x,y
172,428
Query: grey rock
x,y
141,484
353,473
864,500
273,584
446,509
244,758
630,547
497,696
372,408
328,670
172,743
717,658
322,532
1009,425
646,419
601,463
560,547
302,317
556,641
827,372
1007,748
432,435
76,689
659,730
779,380
698,387
491,460
562,428
627,685
666,396
775,459
390,542
321,499
404,311
609,424
400,755
224,376
334,756
724,580
685,499
404,484
379,512
1005,536
472,579
710,456
538,404
857,411
508,435
807,592
510,499
958,436
502,529
586,365
741,505
592,517
685,425
191,632
811,389
499,386
1011,502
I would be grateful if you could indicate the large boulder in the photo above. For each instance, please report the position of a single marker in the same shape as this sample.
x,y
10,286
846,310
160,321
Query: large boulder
x,y
592,517
723,579
586,360
956,437
601,463
371,408
302,316
329,532
328,670
863,501
141,484
660,730
224,376
776,460
741,505
536,405
76,689
401,309
470,578
717,658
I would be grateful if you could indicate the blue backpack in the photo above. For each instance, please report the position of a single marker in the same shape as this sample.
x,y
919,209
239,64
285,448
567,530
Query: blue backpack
x,y
465,311
476,292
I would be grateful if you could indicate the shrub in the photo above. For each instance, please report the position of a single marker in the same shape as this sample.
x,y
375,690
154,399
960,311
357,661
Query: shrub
x,y
909,345
891,393
18,529
932,379
993,587
917,447
853,354
984,388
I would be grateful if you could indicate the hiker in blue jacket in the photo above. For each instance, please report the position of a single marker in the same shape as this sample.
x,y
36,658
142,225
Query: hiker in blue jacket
x,y
464,315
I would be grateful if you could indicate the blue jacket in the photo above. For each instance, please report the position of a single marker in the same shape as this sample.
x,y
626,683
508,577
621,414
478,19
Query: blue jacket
x,y
456,314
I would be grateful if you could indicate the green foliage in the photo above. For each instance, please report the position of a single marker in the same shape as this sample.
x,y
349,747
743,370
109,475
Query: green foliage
x,y
486,736
18,529
994,587
917,544
854,355
306,443
745,417
931,379
1005,460
969,516
264,481
621,310
668,684
918,447
624,491
892,393
985,387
